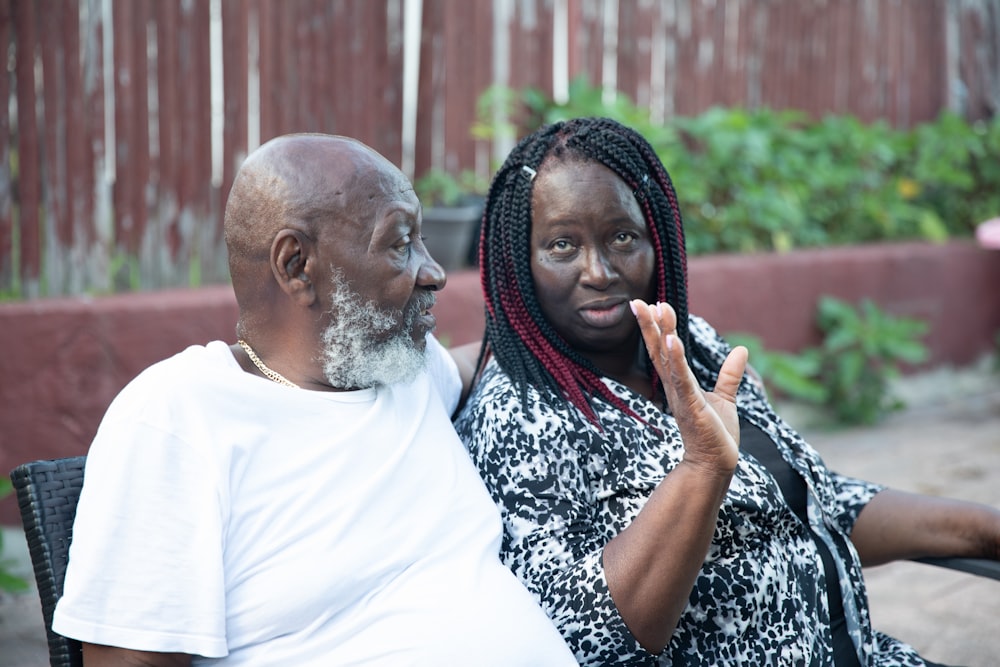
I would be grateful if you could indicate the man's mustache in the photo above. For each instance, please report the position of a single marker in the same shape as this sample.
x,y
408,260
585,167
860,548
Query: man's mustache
x,y
423,301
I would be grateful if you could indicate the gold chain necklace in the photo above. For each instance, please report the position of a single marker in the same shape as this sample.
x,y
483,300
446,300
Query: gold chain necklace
x,y
274,376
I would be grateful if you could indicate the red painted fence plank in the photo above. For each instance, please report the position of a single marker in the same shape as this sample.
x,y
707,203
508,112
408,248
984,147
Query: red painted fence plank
x,y
28,148
7,275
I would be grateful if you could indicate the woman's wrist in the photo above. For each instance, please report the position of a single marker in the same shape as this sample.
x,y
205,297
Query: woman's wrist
x,y
715,475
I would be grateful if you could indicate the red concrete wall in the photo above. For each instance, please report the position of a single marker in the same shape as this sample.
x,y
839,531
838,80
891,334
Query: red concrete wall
x,y
65,359
954,287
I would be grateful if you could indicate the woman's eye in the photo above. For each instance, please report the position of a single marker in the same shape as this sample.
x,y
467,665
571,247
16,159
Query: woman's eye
x,y
624,238
561,246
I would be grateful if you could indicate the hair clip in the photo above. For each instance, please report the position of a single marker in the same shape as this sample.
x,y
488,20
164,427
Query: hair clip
x,y
640,192
529,172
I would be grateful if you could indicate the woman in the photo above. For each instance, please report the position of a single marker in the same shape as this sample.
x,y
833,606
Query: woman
x,y
653,501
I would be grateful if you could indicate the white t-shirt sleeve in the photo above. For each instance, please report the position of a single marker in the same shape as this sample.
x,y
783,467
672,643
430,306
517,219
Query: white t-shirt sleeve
x,y
145,566
444,374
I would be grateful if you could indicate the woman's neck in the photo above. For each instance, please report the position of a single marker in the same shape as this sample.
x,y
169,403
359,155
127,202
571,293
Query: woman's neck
x,y
627,369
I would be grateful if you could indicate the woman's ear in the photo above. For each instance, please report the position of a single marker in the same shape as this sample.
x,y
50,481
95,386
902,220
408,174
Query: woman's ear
x,y
291,265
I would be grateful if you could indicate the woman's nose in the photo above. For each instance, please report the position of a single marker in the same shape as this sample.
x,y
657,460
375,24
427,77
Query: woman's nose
x,y
598,270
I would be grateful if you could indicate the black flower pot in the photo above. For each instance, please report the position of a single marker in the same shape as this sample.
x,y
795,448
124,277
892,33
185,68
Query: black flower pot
x,y
451,232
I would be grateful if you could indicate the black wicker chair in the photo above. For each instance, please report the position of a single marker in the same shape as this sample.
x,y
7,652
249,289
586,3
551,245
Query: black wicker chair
x,y
47,493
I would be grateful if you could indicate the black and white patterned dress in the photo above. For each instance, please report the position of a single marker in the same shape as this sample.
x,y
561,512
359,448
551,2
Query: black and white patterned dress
x,y
565,488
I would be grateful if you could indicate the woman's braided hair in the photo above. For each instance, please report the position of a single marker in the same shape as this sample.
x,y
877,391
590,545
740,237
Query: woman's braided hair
x,y
525,345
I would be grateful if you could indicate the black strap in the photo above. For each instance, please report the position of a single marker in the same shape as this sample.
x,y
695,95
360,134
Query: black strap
x,y
756,443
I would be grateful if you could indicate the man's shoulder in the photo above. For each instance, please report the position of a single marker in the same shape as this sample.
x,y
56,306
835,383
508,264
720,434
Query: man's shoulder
x,y
178,373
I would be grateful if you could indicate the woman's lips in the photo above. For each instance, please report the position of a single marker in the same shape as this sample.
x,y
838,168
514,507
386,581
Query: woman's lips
x,y
604,317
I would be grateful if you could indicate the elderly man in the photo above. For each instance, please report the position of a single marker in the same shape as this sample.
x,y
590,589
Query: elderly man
x,y
300,497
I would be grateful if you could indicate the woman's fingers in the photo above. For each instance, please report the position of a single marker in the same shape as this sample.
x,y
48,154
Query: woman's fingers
x,y
707,421
646,316
652,335
655,320
658,324
680,383
731,373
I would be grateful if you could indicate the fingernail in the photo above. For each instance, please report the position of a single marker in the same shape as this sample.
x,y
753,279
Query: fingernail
x,y
631,304
670,342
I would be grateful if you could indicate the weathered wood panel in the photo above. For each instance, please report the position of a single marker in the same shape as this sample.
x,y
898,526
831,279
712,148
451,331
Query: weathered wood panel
x,y
28,182
127,119
8,279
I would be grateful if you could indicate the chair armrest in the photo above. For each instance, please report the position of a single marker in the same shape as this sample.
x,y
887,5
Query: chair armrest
x,y
982,567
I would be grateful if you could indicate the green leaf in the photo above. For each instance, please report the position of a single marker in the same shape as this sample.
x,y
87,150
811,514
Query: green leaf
x,y
9,582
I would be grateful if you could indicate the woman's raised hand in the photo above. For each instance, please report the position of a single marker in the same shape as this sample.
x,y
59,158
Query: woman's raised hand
x,y
708,421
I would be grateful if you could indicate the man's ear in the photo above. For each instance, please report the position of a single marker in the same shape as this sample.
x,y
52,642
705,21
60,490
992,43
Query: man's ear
x,y
291,264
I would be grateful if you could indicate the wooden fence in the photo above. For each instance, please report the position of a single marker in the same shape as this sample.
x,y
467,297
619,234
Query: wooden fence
x,y
128,118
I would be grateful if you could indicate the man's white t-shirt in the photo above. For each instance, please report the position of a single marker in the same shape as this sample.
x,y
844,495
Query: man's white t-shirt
x,y
230,517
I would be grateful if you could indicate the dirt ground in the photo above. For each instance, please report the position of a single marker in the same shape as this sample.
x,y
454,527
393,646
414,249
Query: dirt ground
x,y
946,442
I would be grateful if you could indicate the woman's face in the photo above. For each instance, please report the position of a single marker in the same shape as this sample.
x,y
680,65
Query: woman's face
x,y
590,255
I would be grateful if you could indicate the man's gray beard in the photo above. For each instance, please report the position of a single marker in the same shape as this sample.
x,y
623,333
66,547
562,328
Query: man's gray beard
x,y
353,355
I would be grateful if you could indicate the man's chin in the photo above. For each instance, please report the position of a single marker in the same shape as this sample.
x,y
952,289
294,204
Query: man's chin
x,y
398,361
404,370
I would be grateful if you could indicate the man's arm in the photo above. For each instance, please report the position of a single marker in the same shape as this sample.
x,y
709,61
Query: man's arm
x,y
96,655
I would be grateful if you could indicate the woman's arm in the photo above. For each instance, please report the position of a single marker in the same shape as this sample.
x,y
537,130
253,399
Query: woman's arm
x,y
652,565
898,525
465,357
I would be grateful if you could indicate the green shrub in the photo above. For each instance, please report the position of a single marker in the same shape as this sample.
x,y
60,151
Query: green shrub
x,y
787,374
850,373
764,180
861,352
438,187
8,582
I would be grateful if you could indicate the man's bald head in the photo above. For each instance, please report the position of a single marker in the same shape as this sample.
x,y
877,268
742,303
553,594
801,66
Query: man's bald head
x,y
296,181
292,181
327,262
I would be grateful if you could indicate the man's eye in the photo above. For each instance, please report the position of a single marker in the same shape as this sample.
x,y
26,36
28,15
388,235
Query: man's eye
x,y
404,243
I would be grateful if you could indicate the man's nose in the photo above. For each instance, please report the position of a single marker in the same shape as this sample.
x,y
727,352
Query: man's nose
x,y
431,275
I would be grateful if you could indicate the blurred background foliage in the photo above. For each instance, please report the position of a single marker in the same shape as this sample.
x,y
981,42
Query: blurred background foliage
x,y
775,180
